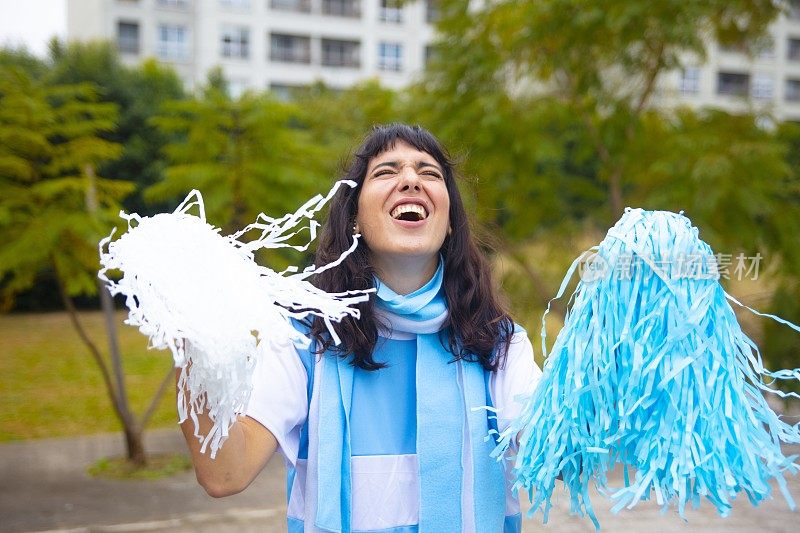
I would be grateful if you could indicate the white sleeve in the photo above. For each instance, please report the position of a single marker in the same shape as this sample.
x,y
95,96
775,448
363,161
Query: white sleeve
x,y
517,378
279,400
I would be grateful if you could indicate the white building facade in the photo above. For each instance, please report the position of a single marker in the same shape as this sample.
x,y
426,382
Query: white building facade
x,y
282,44
764,79
260,44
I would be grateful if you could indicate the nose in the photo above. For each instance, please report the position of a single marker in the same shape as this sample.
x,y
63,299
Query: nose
x,y
409,179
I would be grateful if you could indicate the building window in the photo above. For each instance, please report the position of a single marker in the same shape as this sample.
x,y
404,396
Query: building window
x,y
235,4
298,6
390,56
390,11
792,91
284,91
237,87
173,42
763,86
733,83
235,42
794,9
128,37
793,50
289,48
342,8
430,54
432,12
336,53
180,4
690,80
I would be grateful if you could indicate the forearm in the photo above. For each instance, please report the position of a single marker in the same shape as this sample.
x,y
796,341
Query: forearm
x,y
242,456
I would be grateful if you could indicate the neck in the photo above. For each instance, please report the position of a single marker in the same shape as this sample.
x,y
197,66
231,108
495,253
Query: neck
x,y
405,274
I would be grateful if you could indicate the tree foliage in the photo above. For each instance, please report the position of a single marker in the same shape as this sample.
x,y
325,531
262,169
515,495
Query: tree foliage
x,y
139,93
49,139
554,106
54,208
337,120
601,62
733,178
243,154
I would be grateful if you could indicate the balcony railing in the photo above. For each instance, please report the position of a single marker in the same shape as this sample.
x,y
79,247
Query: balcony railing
x,y
290,49
296,6
342,8
340,53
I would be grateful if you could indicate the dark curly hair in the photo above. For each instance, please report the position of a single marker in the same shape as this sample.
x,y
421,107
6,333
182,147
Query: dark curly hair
x,y
477,329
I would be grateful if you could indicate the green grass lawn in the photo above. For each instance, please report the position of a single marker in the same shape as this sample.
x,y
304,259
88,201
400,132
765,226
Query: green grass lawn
x,y
50,385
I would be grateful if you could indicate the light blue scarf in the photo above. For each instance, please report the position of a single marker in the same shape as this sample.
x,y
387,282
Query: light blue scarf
x,y
442,403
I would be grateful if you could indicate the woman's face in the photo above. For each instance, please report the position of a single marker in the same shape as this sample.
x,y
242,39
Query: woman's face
x,y
404,206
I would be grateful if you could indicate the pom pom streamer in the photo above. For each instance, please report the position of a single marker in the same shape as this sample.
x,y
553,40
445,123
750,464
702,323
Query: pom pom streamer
x,y
202,295
652,371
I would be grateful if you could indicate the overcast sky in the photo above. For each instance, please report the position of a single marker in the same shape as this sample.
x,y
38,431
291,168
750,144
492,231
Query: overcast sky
x,y
32,23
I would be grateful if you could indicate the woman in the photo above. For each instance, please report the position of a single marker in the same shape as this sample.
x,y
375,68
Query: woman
x,y
384,431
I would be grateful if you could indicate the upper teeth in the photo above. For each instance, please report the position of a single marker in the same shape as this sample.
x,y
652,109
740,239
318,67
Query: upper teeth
x,y
409,208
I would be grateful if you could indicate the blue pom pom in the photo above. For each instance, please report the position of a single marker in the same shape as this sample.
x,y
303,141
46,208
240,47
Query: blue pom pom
x,y
652,371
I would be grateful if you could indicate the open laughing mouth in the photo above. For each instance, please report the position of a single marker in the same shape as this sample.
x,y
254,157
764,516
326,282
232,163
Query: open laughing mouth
x,y
409,212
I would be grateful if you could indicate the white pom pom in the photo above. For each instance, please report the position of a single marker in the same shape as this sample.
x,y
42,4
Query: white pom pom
x,y
201,294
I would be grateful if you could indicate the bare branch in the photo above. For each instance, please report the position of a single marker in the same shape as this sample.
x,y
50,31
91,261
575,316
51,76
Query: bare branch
x,y
168,378
101,363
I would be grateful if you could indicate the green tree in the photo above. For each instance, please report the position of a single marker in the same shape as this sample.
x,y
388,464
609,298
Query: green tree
x,y
781,344
139,92
22,59
604,61
555,100
245,155
54,207
337,120
732,177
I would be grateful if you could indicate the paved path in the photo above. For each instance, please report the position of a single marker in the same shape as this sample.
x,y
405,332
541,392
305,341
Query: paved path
x,y
44,488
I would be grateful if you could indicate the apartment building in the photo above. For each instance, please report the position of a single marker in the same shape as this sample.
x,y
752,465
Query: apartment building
x,y
764,78
276,44
282,44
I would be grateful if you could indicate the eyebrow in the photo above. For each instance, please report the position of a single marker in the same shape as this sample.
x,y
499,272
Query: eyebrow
x,y
395,164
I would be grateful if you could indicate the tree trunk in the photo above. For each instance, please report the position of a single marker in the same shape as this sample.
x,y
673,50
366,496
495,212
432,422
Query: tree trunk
x,y
73,315
134,443
133,433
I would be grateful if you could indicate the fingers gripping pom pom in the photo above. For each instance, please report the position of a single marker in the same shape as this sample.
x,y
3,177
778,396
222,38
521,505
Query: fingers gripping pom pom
x,y
201,294
652,371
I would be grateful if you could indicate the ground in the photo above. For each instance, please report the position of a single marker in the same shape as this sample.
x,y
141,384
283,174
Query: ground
x,y
45,488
